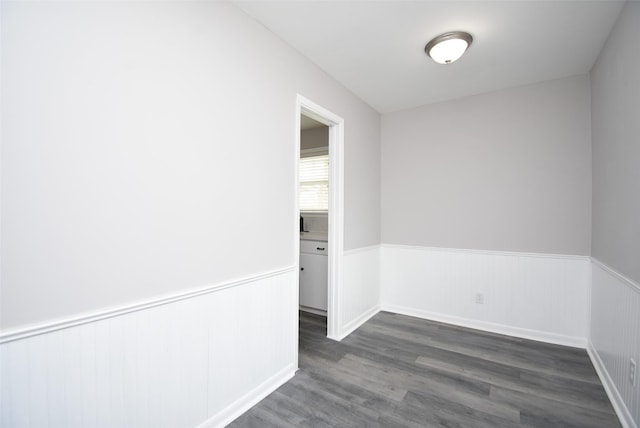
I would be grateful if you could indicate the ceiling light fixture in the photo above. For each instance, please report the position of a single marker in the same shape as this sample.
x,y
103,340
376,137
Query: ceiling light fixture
x,y
448,47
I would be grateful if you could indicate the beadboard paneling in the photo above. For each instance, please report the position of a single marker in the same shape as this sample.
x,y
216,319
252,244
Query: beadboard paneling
x,y
615,338
201,359
537,296
361,288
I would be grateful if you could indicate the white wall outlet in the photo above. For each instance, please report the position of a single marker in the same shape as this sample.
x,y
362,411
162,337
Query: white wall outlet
x,y
479,298
632,371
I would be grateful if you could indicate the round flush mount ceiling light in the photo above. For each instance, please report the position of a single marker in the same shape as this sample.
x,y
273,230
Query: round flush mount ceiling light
x,y
448,47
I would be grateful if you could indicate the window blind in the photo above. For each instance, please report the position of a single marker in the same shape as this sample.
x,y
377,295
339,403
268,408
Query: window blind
x,y
314,183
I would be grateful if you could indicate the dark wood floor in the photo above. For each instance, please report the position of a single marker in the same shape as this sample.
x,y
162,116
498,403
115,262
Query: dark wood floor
x,y
399,371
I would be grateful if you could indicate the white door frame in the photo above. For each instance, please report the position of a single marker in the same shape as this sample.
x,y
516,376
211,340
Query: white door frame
x,y
336,207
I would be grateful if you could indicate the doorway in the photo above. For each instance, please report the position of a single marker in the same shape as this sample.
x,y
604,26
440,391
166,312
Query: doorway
x,y
335,226
313,200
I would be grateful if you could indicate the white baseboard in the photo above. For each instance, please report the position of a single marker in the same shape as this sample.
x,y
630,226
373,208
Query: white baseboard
x,y
353,325
609,386
313,310
236,409
541,336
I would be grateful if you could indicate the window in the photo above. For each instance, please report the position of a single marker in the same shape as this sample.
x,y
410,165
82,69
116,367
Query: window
x,y
314,183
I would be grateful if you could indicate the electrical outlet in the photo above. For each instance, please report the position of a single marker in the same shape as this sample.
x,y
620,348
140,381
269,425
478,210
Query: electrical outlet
x,y
632,371
479,298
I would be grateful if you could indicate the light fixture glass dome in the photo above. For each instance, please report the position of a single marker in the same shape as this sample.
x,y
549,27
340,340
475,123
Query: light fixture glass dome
x,y
448,47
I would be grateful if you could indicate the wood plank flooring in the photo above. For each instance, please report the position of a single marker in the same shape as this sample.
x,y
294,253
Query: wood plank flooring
x,y
400,371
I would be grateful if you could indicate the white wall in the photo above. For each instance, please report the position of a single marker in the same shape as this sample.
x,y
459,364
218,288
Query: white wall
x,y
129,168
615,305
491,195
362,273
169,365
507,171
615,86
131,177
615,338
362,182
535,296
129,173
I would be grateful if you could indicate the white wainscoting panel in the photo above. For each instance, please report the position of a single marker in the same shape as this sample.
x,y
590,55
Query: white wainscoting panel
x,y
535,296
360,288
615,338
201,359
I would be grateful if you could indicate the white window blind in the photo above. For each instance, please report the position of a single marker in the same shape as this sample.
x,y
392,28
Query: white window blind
x,y
314,183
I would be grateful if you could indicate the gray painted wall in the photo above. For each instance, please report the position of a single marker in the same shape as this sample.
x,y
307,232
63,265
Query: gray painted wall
x,y
314,138
508,170
128,167
615,86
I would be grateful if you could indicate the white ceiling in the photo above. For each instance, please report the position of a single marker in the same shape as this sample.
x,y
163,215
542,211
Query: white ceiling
x,y
376,48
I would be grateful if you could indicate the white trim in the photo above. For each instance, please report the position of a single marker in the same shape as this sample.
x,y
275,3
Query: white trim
x,y
356,323
362,250
89,317
627,281
623,413
540,336
489,252
296,230
250,399
336,205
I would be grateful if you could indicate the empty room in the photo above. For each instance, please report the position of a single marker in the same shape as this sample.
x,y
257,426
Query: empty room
x,y
320,213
